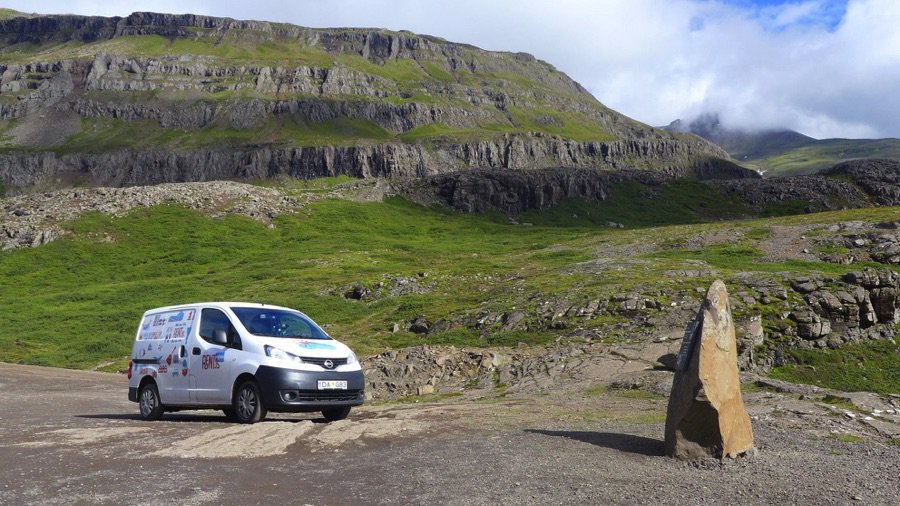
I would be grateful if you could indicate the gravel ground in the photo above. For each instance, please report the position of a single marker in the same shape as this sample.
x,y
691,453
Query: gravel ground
x,y
71,437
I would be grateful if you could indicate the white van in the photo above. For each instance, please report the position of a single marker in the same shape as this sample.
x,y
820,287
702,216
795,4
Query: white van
x,y
245,359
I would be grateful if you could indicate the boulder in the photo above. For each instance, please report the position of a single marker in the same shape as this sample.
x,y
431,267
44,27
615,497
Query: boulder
x,y
419,325
706,414
513,321
886,303
867,316
805,285
810,325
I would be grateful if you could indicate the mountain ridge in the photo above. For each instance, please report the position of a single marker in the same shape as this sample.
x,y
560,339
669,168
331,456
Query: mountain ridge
x,y
201,86
784,151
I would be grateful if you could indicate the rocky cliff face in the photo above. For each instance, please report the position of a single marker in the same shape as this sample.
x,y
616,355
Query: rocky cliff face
x,y
861,183
153,98
513,192
127,167
879,178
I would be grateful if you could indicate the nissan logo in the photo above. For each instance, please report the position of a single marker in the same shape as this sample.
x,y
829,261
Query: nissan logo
x,y
328,364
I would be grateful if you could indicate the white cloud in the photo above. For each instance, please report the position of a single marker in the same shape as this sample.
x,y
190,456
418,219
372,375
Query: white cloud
x,y
791,66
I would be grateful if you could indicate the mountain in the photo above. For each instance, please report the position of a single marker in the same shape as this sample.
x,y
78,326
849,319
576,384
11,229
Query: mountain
x,y
741,144
785,152
152,98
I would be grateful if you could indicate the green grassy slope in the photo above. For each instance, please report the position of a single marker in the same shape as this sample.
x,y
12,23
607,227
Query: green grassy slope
x,y
168,255
12,13
825,153
76,301
744,146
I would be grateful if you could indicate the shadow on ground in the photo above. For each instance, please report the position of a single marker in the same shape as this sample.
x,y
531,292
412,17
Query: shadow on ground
x,y
622,442
196,418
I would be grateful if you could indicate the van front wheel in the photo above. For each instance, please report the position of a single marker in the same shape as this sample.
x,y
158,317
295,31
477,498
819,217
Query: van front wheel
x,y
335,414
148,401
248,406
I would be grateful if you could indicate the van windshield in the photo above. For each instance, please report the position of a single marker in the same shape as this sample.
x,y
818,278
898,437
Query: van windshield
x,y
278,323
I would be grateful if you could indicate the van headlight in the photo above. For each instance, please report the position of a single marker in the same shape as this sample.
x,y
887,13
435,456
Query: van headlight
x,y
352,358
280,354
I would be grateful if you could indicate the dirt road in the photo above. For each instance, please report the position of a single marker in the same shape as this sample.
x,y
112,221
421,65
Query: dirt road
x,y
71,437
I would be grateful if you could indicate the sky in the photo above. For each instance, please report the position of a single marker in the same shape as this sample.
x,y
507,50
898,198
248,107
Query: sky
x,y
826,68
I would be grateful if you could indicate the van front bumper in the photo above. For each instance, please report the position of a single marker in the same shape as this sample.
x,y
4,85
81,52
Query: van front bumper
x,y
293,390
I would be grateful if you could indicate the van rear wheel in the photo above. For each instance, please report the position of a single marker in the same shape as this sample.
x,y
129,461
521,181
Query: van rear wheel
x,y
248,405
148,402
335,414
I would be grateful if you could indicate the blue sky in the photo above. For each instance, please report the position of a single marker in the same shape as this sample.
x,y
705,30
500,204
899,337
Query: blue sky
x,y
828,13
827,68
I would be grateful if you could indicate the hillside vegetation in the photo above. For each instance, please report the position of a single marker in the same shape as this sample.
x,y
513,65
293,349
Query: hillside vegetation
x,y
75,302
822,154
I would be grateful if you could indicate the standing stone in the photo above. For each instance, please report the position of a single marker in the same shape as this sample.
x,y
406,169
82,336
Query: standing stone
x,y
706,415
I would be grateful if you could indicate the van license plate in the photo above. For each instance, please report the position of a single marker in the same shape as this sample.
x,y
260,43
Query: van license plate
x,y
332,384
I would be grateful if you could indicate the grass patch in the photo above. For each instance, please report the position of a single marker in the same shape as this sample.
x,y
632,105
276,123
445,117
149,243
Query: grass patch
x,y
740,257
6,13
99,135
439,132
437,73
847,438
568,125
597,390
758,233
788,207
639,394
840,402
753,387
233,46
298,185
868,366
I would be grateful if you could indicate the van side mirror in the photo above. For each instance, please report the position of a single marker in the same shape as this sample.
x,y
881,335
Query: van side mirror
x,y
220,337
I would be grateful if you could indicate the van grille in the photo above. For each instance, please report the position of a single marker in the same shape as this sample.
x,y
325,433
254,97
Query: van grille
x,y
321,361
318,395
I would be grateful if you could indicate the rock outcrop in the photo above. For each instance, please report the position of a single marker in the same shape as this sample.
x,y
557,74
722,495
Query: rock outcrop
x,y
865,183
127,168
879,178
34,220
853,184
516,191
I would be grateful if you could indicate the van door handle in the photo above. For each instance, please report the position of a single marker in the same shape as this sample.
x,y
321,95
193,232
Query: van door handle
x,y
182,352
196,351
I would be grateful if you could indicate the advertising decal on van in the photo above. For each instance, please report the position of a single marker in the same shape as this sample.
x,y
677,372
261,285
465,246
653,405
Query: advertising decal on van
x,y
309,345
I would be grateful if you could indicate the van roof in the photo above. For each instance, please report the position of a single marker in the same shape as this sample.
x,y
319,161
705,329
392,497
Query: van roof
x,y
194,305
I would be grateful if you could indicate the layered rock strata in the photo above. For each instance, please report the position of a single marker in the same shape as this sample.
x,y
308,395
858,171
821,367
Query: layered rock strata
x,y
501,110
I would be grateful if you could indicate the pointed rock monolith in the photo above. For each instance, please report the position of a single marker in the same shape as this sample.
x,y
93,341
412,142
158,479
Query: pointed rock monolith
x,y
706,415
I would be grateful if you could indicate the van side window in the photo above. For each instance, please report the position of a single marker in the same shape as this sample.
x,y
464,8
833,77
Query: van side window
x,y
212,320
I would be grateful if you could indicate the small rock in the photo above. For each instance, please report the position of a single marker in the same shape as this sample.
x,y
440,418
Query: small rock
x,y
419,325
